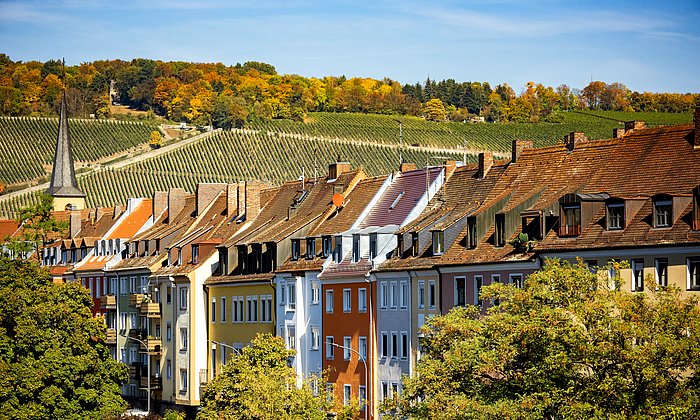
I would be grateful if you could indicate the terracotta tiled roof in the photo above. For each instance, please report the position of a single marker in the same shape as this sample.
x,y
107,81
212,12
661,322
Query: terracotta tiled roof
x,y
134,221
347,268
248,278
8,228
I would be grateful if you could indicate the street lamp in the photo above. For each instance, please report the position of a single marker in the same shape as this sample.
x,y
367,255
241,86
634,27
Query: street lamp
x,y
365,363
148,367
238,352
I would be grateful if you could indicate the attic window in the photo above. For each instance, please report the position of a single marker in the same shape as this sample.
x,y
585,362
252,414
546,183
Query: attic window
x,y
472,239
663,212
570,219
615,215
414,244
391,207
696,209
299,198
296,251
179,257
438,242
372,246
195,254
327,245
356,248
310,248
499,235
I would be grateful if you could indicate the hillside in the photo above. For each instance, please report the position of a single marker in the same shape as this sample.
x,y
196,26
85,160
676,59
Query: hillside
x,y
27,144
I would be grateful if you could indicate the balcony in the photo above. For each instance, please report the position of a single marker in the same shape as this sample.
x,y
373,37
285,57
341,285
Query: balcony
x,y
150,310
111,336
136,299
137,333
135,371
108,302
153,346
156,383
203,376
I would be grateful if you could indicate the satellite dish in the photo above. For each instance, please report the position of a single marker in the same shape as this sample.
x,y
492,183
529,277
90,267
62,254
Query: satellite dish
x,y
338,199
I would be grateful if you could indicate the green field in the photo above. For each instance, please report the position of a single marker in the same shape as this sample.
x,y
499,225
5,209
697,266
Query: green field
x,y
27,144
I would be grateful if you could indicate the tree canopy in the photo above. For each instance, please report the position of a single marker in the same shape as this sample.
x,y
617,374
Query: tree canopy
x,y
566,346
259,384
53,360
38,228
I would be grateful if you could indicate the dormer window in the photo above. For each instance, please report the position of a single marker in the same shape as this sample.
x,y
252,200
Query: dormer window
x,y
615,215
663,212
355,248
195,254
145,248
372,246
570,219
472,239
499,234
438,242
310,248
179,257
696,209
338,249
117,245
414,244
296,249
327,245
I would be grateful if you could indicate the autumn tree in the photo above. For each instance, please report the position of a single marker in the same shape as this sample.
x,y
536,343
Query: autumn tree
x,y
155,140
259,384
567,345
54,363
434,110
39,227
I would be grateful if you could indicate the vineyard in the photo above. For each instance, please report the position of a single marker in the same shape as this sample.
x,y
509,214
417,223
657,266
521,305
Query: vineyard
x,y
27,144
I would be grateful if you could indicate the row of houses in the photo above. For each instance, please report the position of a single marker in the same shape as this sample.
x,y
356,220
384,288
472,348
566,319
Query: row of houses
x,y
347,268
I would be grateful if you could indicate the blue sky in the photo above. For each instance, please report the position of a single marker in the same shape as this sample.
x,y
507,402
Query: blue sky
x,y
647,45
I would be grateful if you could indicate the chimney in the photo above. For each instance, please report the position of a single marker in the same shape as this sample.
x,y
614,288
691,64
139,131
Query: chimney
x,y
91,216
231,199
335,169
240,205
696,119
485,163
518,147
160,203
74,223
252,199
176,202
634,125
618,133
117,211
206,193
405,167
99,212
450,166
573,139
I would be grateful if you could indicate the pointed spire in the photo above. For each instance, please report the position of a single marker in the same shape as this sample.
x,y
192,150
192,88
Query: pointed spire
x,y
63,183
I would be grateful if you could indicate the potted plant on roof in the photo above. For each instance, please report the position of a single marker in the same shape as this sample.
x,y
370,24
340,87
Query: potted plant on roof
x,y
522,243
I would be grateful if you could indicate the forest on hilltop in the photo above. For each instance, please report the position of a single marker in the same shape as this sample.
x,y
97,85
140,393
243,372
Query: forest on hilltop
x,y
231,96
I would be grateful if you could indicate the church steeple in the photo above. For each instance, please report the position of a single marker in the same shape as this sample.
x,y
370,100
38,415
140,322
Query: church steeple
x,y
64,187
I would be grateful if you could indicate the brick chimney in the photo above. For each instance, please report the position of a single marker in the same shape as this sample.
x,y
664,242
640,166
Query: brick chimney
x,y
573,139
406,166
160,203
485,163
240,198
335,169
231,199
99,212
618,133
518,147
696,119
176,202
117,211
634,125
252,199
74,223
206,193
450,166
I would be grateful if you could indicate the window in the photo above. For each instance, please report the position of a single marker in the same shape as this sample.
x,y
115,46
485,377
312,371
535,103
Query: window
x,y
571,219
347,394
168,295
223,356
338,249
414,244
363,397
168,368
638,275
168,331
385,344
431,294
663,213
395,389
363,347
266,308
310,248
183,380
661,271
327,245
394,345
329,392
438,242
372,246
355,248
291,296
252,306
347,344
213,361
496,278
283,287
421,294
499,235
122,286
394,294
347,305
693,273
315,337
179,257
478,283
291,338
403,286
516,280
362,300
460,291
213,310
329,301
696,208
384,294
615,215
315,292
472,232
195,254
404,345
385,390
329,347
296,249
183,298
183,339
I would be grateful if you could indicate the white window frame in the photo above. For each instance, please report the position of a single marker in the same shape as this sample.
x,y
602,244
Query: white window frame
x,y
184,295
347,300
291,296
347,345
183,339
432,292
634,266
421,294
522,280
282,293
315,292
403,343
456,289
394,294
347,394
329,301
362,347
385,345
291,337
403,294
362,300
213,310
689,283
330,348
657,262
183,380
315,337
394,345
384,295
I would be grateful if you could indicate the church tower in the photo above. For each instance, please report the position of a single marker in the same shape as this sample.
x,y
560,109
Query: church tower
x,y
63,187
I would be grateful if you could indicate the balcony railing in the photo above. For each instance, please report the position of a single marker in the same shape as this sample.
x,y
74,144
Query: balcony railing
x,y
111,336
136,299
137,333
203,376
153,345
150,310
108,302
574,230
156,382
135,371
